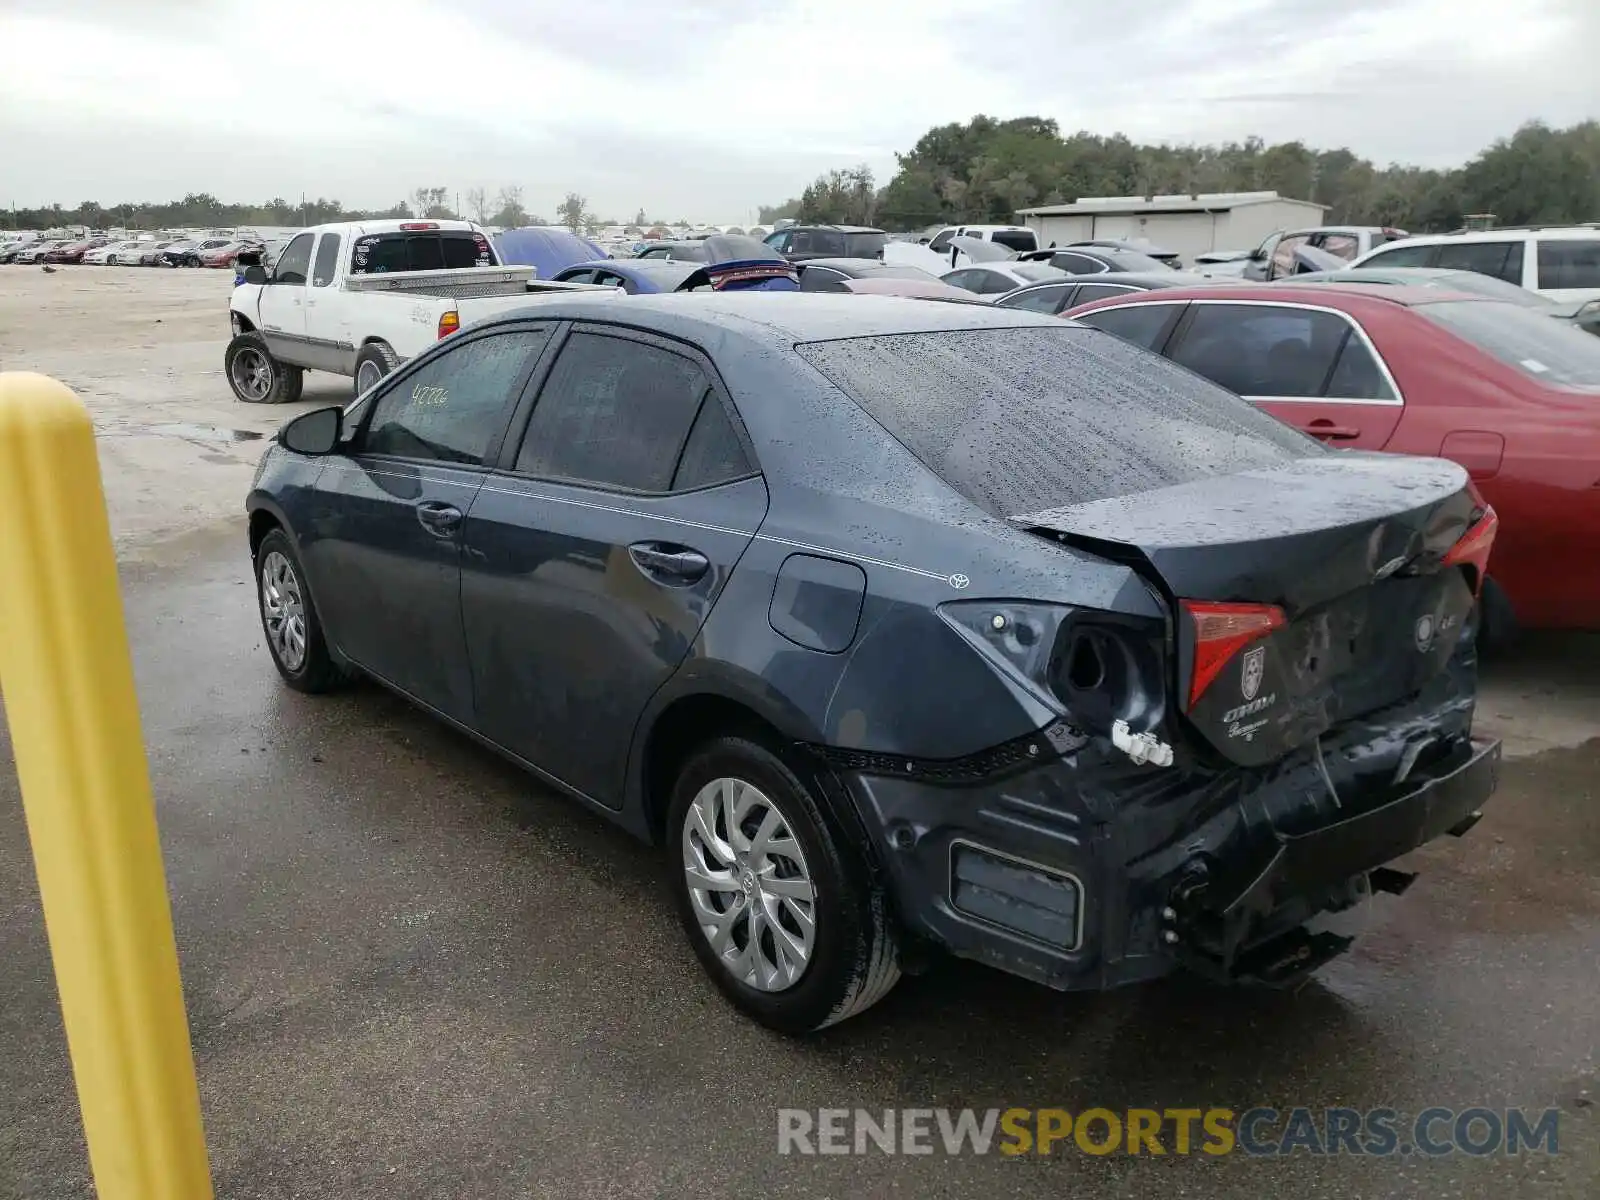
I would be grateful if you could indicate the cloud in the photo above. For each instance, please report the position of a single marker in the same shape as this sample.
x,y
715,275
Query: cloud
x,y
708,108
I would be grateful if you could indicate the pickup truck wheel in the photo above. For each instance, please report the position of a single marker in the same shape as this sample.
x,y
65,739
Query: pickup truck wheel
x,y
376,360
778,904
255,376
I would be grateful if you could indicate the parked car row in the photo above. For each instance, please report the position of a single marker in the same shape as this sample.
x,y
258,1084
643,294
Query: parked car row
x,y
216,252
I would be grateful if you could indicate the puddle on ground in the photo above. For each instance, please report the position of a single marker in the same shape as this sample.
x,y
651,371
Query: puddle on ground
x,y
202,433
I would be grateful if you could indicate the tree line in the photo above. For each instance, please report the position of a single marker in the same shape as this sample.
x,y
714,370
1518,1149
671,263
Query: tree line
x,y
201,210
987,169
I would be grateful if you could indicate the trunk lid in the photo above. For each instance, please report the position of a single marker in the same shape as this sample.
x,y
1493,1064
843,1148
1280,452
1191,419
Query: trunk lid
x,y
1339,568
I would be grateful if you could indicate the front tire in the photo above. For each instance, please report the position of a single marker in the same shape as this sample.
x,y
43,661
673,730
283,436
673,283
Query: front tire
x,y
255,376
376,360
777,903
289,620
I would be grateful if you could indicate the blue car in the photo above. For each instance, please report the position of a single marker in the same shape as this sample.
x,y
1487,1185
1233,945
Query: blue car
x,y
723,264
548,249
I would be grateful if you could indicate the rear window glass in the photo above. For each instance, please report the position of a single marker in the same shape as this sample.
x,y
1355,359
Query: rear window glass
x,y
1022,420
1015,239
864,245
377,253
1553,352
1567,263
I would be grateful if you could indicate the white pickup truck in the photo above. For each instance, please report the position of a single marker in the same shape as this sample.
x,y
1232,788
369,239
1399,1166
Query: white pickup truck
x,y
359,298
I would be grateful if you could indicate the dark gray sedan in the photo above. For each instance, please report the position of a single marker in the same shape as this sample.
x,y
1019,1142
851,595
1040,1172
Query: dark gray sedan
x,y
1060,294
902,626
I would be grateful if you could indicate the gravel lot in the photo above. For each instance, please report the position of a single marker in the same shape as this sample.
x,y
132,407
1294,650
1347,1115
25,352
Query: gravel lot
x,y
411,973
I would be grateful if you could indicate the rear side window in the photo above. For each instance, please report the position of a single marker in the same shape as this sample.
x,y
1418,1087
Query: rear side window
x,y
713,454
1500,260
327,260
1078,264
821,279
378,253
1401,256
614,413
1569,264
1553,352
1040,299
1270,350
1021,420
1144,325
1090,292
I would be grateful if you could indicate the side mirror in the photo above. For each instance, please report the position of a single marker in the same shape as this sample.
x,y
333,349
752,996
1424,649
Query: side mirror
x,y
314,433
255,273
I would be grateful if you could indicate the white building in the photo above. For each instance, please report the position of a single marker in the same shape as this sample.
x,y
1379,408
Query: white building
x,y
1187,225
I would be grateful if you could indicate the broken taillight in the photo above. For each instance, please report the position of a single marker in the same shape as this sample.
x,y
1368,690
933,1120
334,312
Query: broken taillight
x,y
1220,632
1472,548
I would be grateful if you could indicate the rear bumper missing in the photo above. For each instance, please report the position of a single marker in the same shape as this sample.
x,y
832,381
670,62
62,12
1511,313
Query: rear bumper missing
x,y
1088,872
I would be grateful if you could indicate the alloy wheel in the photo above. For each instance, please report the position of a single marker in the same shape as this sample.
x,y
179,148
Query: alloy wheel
x,y
283,610
749,885
367,375
252,374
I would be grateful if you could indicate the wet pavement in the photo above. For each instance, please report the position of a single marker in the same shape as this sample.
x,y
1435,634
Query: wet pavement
x,y
413,973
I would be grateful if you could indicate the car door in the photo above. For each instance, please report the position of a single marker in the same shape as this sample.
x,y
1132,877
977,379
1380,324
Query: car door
x,y
382,547
594,554
1313,368
329,345
282,303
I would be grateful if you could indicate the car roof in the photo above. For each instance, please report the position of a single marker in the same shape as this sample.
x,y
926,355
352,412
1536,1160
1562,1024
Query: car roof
x,y
1507,234
852,266
779,319
835,228
1324,294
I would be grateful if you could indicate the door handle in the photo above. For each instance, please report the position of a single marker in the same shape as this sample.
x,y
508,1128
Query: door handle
x,y
1324,428
669,564
439,519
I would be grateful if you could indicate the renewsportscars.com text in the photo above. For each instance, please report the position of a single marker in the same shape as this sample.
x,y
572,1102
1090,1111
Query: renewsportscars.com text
x,y
1257,1132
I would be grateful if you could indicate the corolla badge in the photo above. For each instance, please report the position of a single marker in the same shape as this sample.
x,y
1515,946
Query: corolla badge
x,y
1251,669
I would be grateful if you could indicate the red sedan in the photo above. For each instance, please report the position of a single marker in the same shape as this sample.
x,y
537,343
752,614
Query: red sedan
x,y
1503,390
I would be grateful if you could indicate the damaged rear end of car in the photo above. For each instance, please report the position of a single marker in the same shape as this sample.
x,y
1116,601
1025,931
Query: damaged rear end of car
x,y
1258,667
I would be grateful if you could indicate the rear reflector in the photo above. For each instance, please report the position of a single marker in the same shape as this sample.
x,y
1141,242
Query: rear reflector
x,y
1220,632
449,322
1039,903
1472,549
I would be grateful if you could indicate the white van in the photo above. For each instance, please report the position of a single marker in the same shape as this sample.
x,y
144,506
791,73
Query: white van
x,y
1561,263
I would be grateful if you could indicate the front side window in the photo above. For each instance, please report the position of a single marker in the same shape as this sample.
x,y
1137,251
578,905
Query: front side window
x,y
942,240
779,241
1569,263
614,413
294,262
1498,260
450,409
327,260
1401,256
1283,256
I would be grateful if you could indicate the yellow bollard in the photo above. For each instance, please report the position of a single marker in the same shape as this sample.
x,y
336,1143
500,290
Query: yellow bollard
x,y
67,681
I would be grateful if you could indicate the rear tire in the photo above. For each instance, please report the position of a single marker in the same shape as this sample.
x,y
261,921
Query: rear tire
x,y
852,958
376,361
255,376
289,620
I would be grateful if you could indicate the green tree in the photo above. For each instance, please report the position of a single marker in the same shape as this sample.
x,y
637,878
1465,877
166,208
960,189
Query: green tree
x,y
573,212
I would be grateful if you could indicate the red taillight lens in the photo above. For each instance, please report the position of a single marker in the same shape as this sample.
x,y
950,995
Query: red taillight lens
x,y
1472,548
449,322
1220,632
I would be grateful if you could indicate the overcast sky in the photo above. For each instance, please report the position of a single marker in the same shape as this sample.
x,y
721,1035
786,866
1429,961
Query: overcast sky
x,y
726,104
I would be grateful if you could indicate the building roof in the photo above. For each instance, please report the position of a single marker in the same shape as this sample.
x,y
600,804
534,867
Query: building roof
x,y
1195,202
